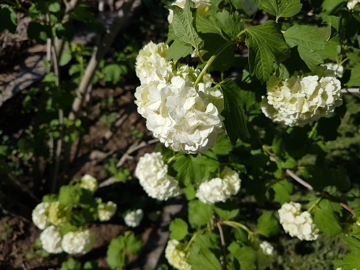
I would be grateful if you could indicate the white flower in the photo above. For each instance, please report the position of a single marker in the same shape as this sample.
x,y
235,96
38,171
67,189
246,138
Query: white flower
x,y
202,7
300,100
88,182
352,3
40,215
338,69
296,223
267,248
51,239
106,210
79,242
152,174
134,218
151,57
176,256
219,189
183,118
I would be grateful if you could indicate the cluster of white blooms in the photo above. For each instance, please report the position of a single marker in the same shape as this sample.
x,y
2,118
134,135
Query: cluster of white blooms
x,y
106,210
176,256
133,218
300,100
220,188
201,6
296,223
88,182
79,242
267,248
337,69
51,239
352,3
184,116
152,174
40,215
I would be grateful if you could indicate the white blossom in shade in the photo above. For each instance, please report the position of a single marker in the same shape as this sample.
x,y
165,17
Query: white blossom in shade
x,y
106,210
133,218
219,189
183,118
352,3
40,215
338,69
201,6
267,248
174,253
79,242
151,57
296,223
88,182
51,239
152,174
300,100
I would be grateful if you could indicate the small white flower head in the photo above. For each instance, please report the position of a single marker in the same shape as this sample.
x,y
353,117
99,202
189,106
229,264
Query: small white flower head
x,y
296,223
133,218
88,182
151,57
219,189
59,215
300,100
267,248
40,215
352,3
106,210
79,242
152,174
174,253
201,6
51,239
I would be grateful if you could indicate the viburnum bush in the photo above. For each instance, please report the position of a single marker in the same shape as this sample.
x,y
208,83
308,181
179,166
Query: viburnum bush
x,y
244,97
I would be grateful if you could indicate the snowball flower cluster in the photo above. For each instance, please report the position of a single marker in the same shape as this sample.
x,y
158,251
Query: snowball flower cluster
x,y
267,248
300,100
88,182
221,188
176,256
79,242
152,174
352,3
201,6
296,223
133,218
184,116
106,210
51,239
40,215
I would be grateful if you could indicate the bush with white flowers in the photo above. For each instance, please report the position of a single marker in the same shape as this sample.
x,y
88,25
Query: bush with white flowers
x,y
51,239
78,242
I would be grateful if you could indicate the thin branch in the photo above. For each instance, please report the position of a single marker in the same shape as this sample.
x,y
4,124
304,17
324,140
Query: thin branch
x,y
345,206
298,179
350,90
223,245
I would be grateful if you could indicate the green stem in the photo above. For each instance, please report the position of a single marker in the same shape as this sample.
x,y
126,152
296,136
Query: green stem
x,y
212,59
192,240
313,130
235,224
315,203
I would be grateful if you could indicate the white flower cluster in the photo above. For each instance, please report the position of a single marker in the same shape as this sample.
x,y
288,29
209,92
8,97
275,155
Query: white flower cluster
x,y
219,189
72,242
133,218
40,215
176,256
201,6
182,115
300,100
88,182
337,69
106,210
152,174
296,223
352,3
267,248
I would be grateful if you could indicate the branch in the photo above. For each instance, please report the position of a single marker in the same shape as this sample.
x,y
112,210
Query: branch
x,y
223,245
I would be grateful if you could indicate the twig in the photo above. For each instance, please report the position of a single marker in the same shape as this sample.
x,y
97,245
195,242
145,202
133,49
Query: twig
x,y
298,179
343,205
223,245
350,90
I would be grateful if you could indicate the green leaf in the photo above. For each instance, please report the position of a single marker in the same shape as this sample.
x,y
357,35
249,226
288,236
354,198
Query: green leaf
x,y
249,6
65,58
178,50
246,257
230,23
39,32
226,210
326,221
282,190
132,243
352,260
235,118
268,225
266,46
223,145
321,177
310,57
54,6
183,26
113,73
205,25
199,213
115,256
71,264
203,259
7,20
178,229
354,77
280,8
